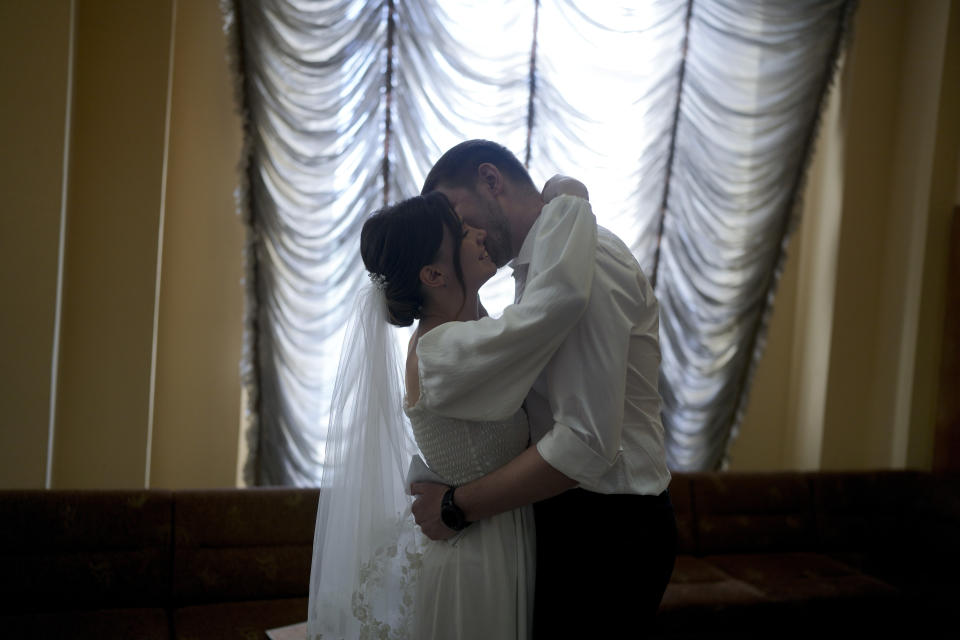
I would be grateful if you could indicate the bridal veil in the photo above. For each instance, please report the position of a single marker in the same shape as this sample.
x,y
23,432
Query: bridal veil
x,y
366,549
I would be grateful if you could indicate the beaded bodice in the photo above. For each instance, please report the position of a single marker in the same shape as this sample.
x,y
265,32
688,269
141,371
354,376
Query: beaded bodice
x,y
462,450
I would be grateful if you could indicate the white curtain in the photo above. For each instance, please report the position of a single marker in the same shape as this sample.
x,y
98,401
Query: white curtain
x,y
691,121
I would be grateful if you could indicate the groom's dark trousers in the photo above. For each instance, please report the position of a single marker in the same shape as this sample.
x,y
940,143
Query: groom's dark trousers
x,y
603,563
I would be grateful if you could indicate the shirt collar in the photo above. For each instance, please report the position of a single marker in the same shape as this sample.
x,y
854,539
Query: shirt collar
x,y
526,249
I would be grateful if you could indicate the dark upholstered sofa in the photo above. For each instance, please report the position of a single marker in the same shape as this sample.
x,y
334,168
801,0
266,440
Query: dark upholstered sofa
x,y
761,555
154,564
814,555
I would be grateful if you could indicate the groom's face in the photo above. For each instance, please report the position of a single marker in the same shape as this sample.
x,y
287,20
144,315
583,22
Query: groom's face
x,y
483,212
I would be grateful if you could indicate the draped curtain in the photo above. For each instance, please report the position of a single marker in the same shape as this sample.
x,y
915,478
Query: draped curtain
x,y
691,121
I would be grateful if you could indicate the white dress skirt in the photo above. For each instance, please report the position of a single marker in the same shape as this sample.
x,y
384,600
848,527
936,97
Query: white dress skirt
x,y
479,584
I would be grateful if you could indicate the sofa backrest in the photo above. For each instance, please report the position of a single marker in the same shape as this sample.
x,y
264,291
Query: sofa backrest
x,y
681,495
84,549
751,512
863,516
242,545
857,510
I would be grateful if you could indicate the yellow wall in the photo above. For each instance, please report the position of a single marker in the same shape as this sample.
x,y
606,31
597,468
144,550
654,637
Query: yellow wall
x,y
34,48
154,147
201,295
113,221
864,315
931,281
853,334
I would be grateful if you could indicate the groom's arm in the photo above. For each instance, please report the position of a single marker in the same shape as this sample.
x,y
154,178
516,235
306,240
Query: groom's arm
x,y
586,386
526,479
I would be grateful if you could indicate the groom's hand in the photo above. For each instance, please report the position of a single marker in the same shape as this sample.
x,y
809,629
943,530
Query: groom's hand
x,y
426,509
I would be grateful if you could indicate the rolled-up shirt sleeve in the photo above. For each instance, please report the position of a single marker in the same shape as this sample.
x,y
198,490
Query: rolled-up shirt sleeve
x,y
483,370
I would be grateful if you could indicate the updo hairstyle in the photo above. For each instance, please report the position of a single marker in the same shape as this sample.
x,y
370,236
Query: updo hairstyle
x,y
396,242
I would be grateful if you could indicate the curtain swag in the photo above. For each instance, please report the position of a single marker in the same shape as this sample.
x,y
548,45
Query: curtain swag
x,y
692,122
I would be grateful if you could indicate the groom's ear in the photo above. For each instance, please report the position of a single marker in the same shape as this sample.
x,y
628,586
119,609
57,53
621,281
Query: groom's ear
x,y
431,276
490,178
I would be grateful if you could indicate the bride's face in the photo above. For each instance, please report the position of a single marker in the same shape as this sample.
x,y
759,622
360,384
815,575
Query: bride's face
x,y
475,262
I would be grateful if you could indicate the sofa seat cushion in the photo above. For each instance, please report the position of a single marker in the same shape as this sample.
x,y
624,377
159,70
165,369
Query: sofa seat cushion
x,y
696,583
799,595
803,577
143,624
237,620
701,598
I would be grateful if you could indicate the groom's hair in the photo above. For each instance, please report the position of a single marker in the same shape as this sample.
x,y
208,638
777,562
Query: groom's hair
x,y
458,166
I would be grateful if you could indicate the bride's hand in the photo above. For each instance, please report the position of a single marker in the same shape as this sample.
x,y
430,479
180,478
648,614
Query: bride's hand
x,y
560,185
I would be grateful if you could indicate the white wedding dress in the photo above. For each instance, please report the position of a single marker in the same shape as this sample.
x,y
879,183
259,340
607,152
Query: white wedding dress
x,y
478,584
374,574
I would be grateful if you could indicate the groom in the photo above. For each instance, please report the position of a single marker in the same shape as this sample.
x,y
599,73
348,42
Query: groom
x,y
596,471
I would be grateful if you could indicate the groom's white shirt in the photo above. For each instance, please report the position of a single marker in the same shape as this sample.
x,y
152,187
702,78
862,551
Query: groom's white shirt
x,y
595,408
585,337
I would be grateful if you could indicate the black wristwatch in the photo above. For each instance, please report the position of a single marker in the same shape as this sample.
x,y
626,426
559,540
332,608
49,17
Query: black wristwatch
x,y
451,514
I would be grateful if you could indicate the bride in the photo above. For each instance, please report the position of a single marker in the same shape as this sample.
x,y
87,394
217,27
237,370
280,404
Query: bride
x,y
374,575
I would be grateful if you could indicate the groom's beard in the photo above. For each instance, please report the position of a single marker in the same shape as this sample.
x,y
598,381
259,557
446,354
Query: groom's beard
x,y
498,243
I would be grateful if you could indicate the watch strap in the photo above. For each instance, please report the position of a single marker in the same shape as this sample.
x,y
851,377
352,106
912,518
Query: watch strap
x,y
452,515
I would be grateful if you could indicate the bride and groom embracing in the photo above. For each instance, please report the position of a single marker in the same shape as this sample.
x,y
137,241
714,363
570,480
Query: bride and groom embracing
x,y
541,510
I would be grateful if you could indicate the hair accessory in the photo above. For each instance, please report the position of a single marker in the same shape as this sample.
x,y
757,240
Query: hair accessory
x,y
379,280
